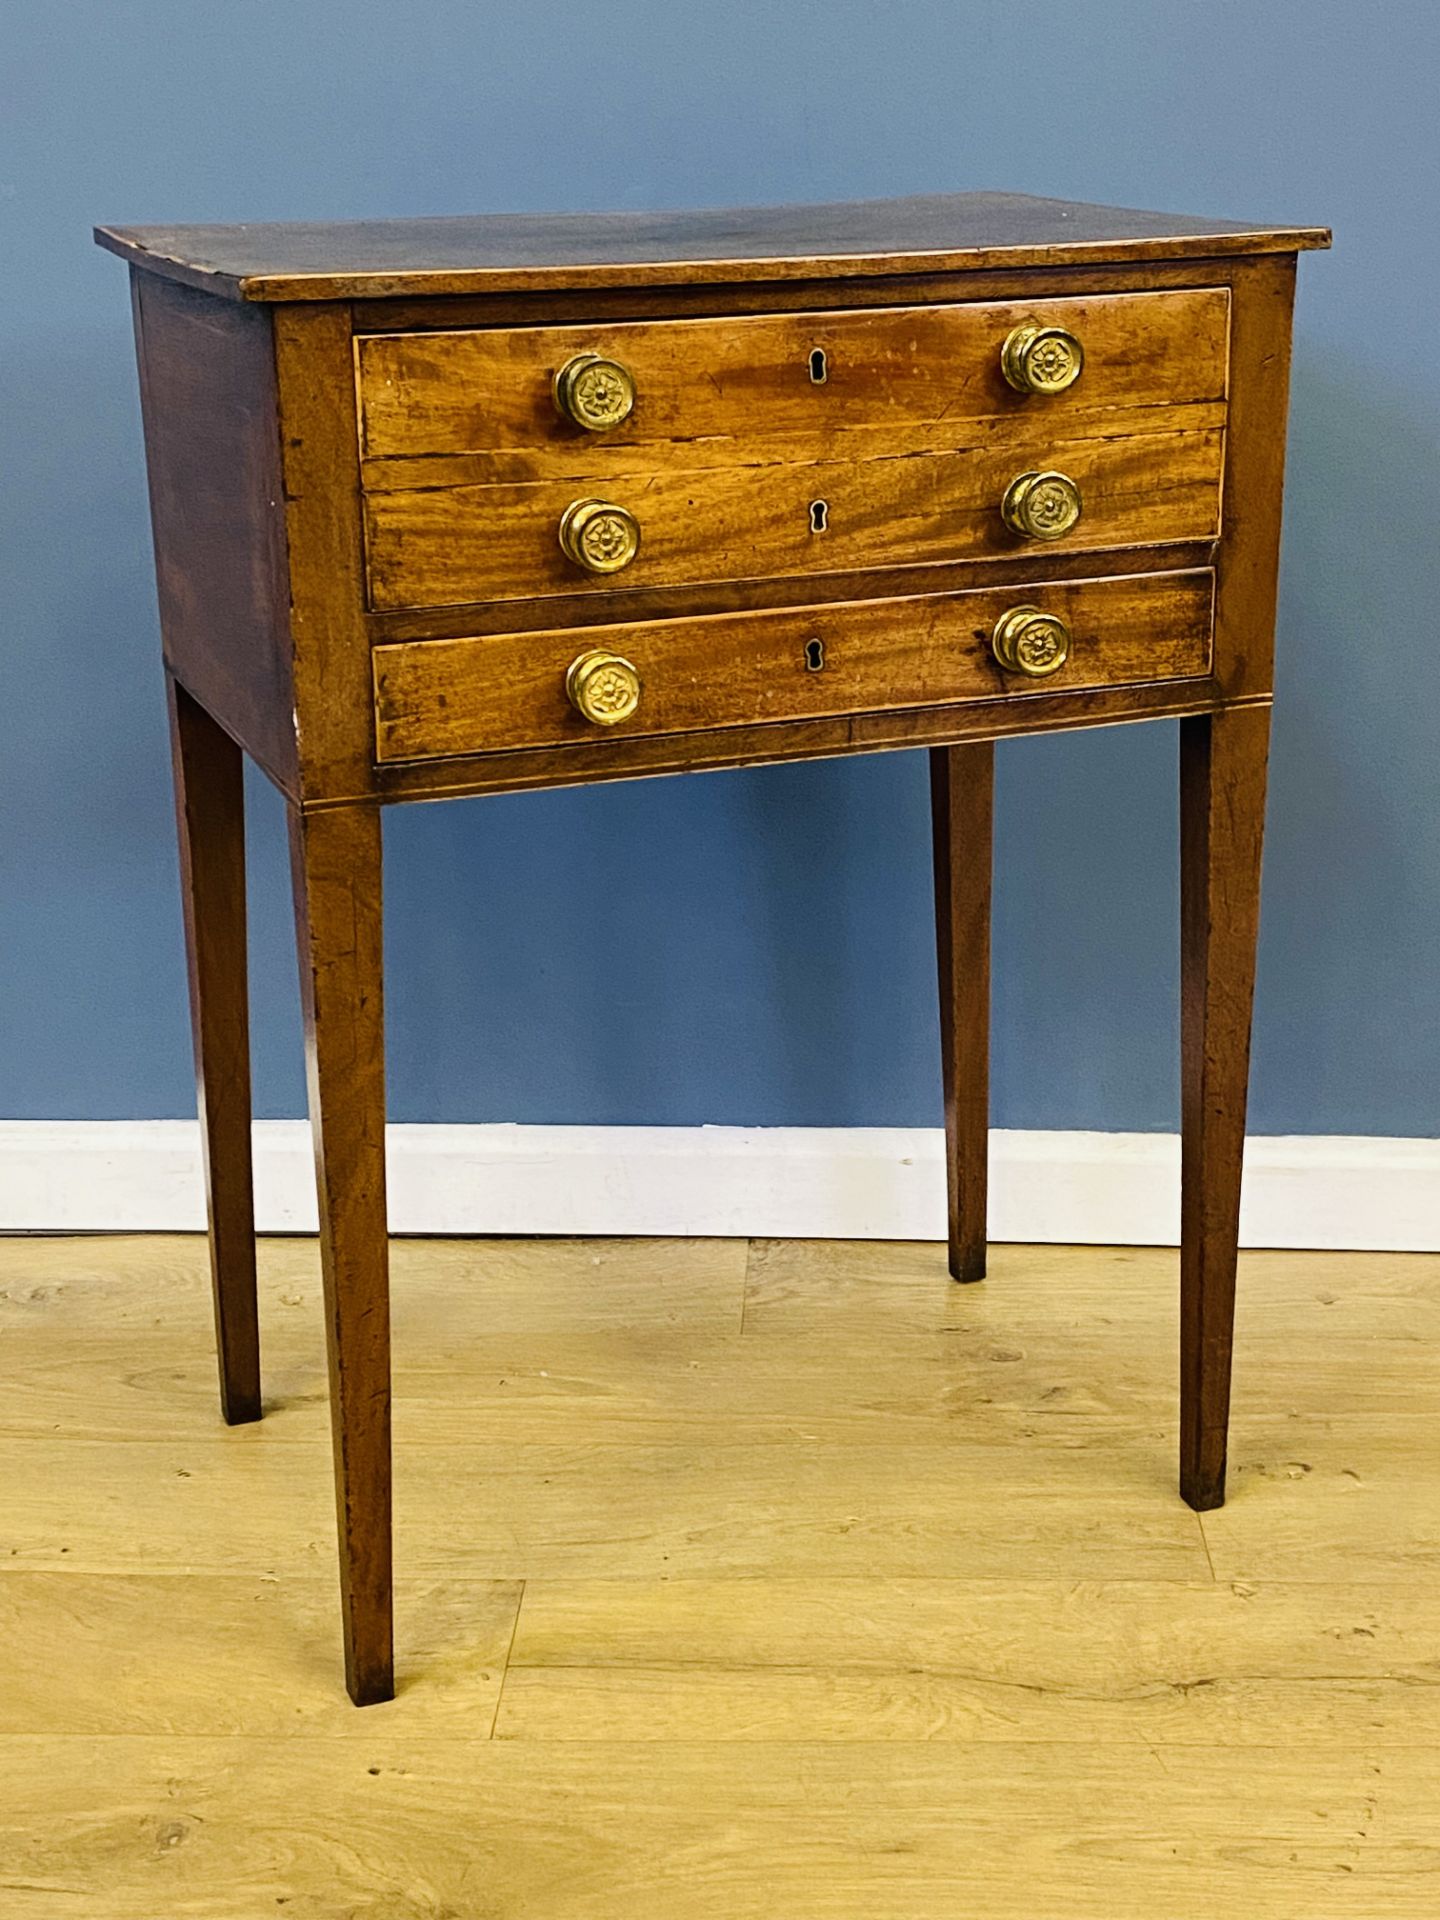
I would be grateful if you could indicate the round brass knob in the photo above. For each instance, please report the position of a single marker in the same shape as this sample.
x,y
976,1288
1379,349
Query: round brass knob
x,y
594,392
603,687
599,536
1041,506
1028,640
1041,359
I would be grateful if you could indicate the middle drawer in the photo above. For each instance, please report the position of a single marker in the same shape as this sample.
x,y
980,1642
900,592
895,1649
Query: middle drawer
x,y
446,546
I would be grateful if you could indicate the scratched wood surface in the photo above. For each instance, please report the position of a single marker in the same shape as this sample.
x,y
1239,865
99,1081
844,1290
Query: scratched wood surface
x,y
790,1579
508,690
473,253
487,392
207,383
439,545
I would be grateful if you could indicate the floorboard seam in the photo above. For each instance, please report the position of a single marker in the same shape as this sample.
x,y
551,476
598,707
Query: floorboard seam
x,y
505,1667
1205,1543
745,1282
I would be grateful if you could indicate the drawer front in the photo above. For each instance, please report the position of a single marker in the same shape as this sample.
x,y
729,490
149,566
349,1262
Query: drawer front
x,y
493,693
449,546
736,463
486,395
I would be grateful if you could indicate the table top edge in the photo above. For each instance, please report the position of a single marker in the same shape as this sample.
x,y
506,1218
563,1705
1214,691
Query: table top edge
x,y
455,255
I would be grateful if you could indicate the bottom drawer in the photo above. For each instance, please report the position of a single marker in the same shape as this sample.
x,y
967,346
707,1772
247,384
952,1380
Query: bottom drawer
x,y
487,694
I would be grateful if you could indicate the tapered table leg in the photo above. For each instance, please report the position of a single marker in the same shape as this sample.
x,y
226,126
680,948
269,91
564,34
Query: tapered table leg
x,y
1222,810
962,783
210,814
335,858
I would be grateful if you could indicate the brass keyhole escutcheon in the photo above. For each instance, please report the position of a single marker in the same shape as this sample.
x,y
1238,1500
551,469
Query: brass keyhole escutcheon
x,y
1041,359
815,656
1030,641
1041,505
599,536
594,392
602,687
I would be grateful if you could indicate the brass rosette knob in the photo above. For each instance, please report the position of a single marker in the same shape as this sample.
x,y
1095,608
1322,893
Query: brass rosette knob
x,y
602,687
1041,359
599,536
1041,505
1030,641
594,392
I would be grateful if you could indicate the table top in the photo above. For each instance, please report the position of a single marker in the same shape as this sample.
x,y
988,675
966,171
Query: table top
x,y
508,253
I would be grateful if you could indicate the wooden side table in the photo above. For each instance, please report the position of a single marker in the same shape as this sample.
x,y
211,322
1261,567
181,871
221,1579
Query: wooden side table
x,y
456,506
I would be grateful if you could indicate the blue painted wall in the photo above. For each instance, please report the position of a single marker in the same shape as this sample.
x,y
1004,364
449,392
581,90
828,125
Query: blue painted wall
x,y
761,939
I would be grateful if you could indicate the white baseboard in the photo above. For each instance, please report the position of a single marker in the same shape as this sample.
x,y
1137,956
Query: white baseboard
x,y
863,1183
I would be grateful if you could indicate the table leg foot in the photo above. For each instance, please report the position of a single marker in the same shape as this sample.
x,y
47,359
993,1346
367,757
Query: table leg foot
x,y
336,865
962,781
1222,808
209,773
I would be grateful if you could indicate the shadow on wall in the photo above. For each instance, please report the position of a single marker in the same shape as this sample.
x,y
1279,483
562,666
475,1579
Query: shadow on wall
x,y
740,947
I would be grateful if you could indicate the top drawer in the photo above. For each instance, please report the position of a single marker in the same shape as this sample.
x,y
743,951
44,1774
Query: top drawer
x,y
489,394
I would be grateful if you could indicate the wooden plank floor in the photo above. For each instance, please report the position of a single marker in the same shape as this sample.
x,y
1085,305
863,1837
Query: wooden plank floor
x,y
776,1580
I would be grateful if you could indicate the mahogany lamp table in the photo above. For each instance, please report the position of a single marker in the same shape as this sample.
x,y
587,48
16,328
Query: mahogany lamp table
x,y
459,506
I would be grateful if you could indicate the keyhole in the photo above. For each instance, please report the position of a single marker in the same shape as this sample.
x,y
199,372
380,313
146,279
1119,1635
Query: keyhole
x,y
814,656
819,369
819,511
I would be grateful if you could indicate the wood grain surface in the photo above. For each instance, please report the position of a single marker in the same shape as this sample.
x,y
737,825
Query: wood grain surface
x,y
212,455
716,1832
651,755
209,780
1190,1665
444,313
335,860
1223,759
493,692
1248,560
487,392
325,590
472,253
445,544
962,805
833,1696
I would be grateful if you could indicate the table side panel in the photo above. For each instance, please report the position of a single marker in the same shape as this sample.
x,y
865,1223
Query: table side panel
x,y
212,446
1248,557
